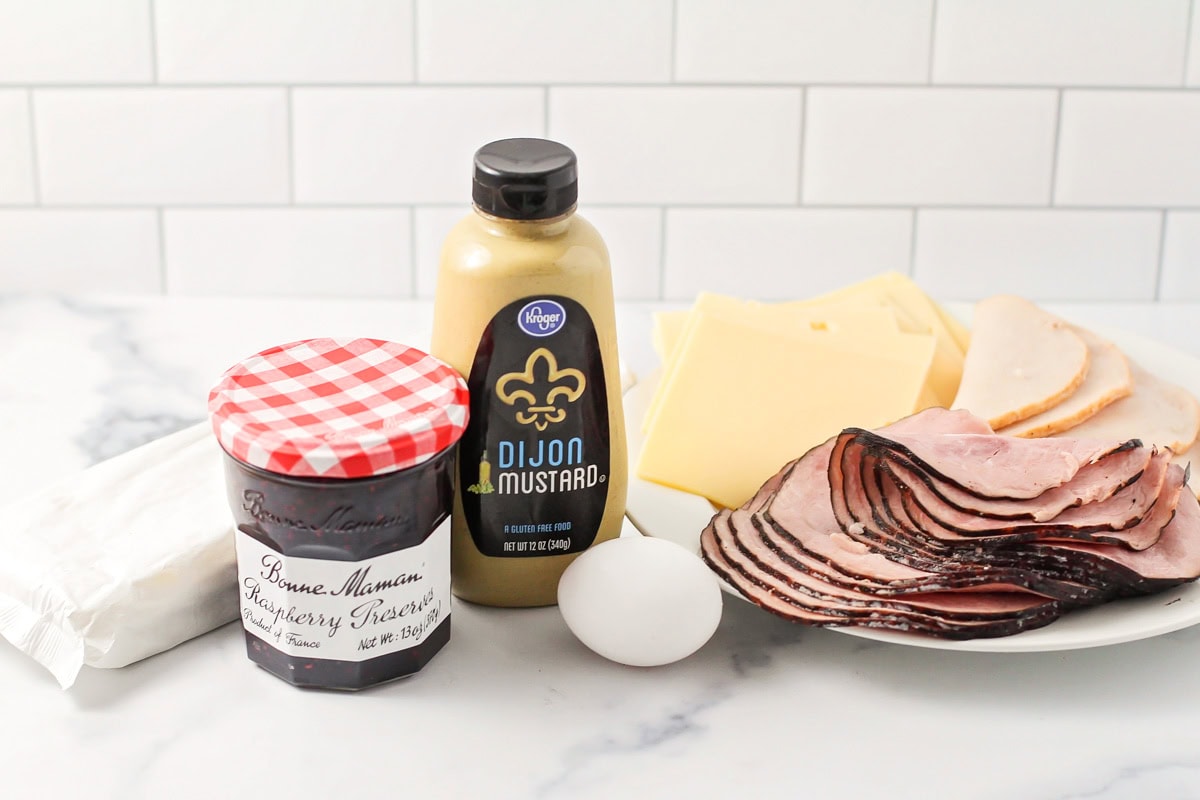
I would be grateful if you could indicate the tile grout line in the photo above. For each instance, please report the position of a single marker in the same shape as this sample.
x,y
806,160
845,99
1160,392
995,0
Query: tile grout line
x,y
803,136
35,160
160,216
674,47
402,204
731,85
1187,43
291,146
933,15
152,18
662,253
415,40
412,251
1162,252
1058,124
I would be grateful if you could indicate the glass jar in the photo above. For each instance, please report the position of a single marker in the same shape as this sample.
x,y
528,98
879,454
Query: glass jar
x,y
339,471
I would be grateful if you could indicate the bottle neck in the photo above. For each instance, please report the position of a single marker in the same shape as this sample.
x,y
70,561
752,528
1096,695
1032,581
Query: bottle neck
x,y
524,228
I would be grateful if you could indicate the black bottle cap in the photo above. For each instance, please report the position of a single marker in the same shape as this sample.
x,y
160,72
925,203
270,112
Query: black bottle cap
x,y
525,179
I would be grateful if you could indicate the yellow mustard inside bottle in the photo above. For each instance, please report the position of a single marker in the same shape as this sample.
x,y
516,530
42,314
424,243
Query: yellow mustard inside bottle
x,y
524,311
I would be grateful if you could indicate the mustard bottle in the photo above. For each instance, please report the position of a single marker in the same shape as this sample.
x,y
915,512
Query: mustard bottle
x,y
524,311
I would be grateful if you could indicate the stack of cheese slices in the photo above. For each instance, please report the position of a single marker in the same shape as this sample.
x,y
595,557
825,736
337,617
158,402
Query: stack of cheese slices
x,y
1031,374
748,386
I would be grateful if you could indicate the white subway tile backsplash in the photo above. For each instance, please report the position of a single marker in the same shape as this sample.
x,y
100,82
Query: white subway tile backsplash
x,y
803,41
780,254
1181,257
276,41
79,251
928,146
401,145
1061,42
544,41
633,236
1043,254
271,139
143,146
288,251
75,41
16,155
634,239
1129,148
682,145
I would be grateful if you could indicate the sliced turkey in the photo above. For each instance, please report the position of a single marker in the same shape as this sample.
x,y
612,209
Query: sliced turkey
x,y
1022,361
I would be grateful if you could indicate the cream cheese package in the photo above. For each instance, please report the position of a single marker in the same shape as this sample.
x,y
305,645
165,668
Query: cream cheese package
x,y
123,560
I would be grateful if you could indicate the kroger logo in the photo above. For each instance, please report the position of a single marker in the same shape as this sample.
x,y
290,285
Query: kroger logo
x,y
542,317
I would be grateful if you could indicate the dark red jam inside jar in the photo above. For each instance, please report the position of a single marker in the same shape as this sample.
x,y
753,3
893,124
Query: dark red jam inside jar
x,y
339,457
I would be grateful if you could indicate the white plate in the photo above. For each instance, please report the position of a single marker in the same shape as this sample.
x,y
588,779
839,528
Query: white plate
x,y
680,517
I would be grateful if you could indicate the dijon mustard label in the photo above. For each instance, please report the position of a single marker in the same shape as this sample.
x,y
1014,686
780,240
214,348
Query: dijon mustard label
x,y
534,462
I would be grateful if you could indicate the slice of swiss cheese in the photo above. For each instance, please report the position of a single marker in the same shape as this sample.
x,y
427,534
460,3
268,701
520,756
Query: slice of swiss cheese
x,y
667,332
743,399
913,311
919,314
1108,380
671,326
800,319
1022,361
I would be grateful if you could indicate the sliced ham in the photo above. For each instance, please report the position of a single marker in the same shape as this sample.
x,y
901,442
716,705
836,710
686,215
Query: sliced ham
x,y
989,465
927,571
1094,482
804,519
1117,519
855,560
951,615
1091,497
937,526
750,554
1138,536
902,531
1173,560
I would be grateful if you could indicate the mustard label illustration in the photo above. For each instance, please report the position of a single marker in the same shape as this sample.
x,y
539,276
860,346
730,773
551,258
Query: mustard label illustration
x,y
535,390
535,457
484,484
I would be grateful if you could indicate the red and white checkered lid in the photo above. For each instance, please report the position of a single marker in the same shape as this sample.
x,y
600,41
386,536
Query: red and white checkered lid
x,y
338,408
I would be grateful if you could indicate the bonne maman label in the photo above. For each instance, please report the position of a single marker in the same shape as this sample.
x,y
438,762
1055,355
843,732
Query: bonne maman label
x,y
344,610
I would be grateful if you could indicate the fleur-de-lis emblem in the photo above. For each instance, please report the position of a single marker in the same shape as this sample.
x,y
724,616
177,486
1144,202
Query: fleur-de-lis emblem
x,y
539,387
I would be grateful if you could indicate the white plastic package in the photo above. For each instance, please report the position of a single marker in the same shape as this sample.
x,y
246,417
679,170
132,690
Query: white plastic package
x,y
121,561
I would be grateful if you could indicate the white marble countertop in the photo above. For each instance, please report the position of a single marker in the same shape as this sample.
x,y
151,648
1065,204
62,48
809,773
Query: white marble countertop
x,y
514,706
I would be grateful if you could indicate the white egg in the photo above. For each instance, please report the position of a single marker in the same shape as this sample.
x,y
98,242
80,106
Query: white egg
x,y
640,601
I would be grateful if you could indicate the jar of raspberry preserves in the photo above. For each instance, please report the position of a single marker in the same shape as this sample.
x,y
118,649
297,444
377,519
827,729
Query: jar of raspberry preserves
x,y
339,456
